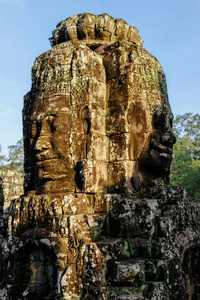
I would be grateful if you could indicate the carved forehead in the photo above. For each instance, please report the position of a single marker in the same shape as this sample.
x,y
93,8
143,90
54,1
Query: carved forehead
x,y
52,105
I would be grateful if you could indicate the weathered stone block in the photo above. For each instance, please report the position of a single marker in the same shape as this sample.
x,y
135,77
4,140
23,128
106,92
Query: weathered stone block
x,y
95,176
114,59
87,228
133,35
99,72
165,227
129,297
128,272
68,283
102,202
94,260
117,91
97,93
114,249
98,120
57,104
74,204
140,247
158,290
11,187
133,218
120,176
116,122
122,147
124,292
152,270
98,147
157,247
66,186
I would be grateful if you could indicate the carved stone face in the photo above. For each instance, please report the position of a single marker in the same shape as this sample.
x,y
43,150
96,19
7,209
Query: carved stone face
x,y
52,146
100,114
55,145
155,159
50,141
150,126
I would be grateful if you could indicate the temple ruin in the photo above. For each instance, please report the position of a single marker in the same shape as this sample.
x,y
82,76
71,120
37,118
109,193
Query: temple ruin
x,y
99,219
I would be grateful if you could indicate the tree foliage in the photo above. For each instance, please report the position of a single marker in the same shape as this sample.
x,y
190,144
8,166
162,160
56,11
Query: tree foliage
x,y
15,159
185,168
2,158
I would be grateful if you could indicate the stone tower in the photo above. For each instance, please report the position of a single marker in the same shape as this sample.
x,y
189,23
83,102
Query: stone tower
x,y
98,219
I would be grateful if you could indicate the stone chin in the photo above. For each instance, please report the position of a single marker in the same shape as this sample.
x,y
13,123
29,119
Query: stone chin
x,y
152,160
154,167
48,175
53,169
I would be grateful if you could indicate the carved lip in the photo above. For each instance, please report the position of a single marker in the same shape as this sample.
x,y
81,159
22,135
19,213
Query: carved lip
x,y
166,155
44,156
45,162
163,152
164,149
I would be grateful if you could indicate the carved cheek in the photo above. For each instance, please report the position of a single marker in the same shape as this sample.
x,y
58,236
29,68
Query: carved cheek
x,y
60,144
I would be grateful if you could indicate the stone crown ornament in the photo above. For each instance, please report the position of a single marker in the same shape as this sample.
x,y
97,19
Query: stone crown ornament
x,y
95,27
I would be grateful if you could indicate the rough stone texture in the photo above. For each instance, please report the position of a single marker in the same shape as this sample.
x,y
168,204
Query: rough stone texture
x,y
11,187
97,111
98,220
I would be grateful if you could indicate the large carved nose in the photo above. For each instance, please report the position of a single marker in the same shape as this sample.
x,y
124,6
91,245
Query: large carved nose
x,y
43,135
169,138
43,143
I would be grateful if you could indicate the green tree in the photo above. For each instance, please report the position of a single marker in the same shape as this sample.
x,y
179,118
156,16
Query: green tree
x,y
185,167
16,157
2,159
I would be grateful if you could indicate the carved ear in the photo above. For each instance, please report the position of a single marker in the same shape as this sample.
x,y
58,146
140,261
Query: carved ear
x,y
136,118
130,113
86,120
79,176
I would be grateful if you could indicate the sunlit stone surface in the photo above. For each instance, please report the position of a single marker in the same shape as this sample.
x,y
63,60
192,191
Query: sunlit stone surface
x,y
99,219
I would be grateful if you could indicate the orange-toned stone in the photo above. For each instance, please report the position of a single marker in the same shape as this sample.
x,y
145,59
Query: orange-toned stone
x,y
121,175
122,147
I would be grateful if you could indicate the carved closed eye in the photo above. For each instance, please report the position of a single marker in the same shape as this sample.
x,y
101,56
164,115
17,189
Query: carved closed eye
x,y
60,123
33,128
35,131
158,120
57,127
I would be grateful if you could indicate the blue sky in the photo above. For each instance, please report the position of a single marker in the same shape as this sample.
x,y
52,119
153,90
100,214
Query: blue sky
x,y
169,28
